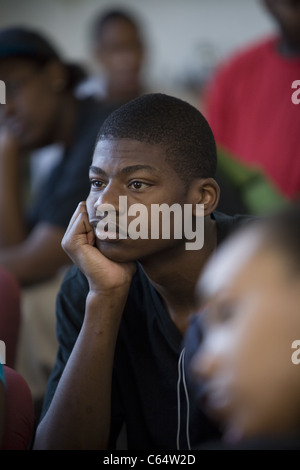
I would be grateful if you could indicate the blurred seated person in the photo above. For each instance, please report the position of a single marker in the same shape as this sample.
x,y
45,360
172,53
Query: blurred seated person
x,y
118,50
41,110
10,314
248,104
243,346
17,419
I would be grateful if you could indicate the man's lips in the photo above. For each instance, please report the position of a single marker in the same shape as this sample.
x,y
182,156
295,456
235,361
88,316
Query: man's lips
x,y
109,230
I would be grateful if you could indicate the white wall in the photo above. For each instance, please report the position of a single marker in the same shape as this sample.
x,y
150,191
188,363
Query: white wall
x,y
181,33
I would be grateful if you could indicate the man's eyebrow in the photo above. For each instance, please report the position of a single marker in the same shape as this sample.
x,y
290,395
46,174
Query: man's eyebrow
x,y
97,170
132,168
128,169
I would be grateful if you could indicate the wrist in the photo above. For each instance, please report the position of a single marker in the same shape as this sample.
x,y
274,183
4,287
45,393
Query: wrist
x,y
115,286
108,296
105,308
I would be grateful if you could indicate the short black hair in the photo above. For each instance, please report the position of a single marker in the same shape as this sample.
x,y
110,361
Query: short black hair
x,y
183,131
108,16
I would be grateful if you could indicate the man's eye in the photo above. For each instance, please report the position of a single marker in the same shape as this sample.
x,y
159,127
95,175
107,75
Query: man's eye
x,y
138,185
97,183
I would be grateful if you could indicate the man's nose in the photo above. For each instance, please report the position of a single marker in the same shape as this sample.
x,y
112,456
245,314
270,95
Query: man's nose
x,y
109,200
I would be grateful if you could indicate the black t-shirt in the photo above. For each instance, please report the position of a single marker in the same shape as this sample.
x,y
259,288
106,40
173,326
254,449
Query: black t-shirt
x,y
148,378
68,183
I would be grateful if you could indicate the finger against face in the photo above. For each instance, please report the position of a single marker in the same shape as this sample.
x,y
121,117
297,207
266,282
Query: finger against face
x,y
79,226
81,208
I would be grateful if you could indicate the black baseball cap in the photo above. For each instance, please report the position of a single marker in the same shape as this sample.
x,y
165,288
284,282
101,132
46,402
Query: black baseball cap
x,y
27,43
22,42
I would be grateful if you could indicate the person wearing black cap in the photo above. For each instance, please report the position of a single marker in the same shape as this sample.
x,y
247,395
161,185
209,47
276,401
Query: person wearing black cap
x,y
41,110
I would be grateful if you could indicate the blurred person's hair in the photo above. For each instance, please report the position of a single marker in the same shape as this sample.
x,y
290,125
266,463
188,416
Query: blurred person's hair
x,y
108,16
24,43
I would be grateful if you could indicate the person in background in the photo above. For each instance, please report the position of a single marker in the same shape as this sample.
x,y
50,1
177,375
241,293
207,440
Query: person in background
x,y
119,52
41,110
249,106
243,345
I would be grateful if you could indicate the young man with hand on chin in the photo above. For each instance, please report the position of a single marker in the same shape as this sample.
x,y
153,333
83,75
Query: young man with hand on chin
x,y
124,307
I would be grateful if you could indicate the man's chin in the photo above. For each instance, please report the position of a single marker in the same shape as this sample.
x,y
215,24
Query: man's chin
x,y
115,250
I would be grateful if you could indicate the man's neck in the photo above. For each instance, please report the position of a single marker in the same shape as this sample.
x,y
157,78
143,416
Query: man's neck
x,y
174,275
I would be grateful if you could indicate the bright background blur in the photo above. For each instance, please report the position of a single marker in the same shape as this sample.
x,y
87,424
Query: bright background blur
x,y
185,38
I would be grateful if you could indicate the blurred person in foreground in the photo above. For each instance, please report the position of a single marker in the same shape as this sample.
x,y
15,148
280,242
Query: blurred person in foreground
x,y
243,346
119,54
41,110
249,105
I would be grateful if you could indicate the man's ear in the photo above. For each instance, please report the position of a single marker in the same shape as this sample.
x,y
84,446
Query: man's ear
x,y
204,191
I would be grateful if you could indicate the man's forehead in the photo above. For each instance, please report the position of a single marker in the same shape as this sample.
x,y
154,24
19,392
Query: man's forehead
x,y
117,150
125,143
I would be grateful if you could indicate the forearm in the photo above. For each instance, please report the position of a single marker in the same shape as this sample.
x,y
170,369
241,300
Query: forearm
x,y
38,257
79,415
30,267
